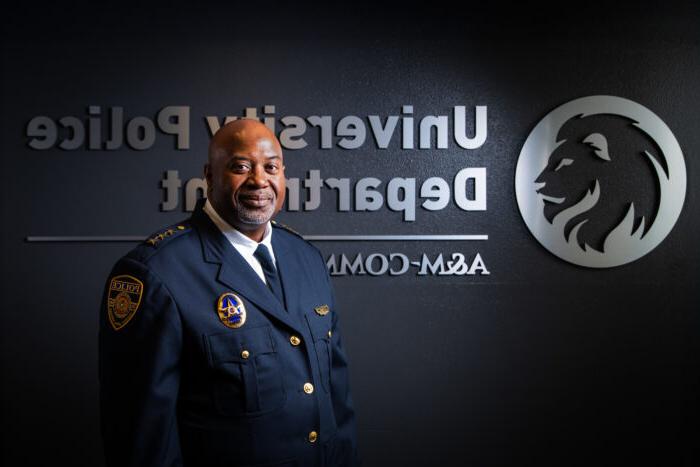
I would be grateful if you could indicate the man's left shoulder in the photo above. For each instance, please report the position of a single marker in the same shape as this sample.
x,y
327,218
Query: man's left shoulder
x,y
294,237
286,228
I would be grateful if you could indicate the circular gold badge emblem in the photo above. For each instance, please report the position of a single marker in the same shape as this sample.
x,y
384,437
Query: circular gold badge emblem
x,y
231,310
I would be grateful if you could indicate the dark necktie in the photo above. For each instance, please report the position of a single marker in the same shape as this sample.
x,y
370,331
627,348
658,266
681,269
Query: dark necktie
x,y
262,254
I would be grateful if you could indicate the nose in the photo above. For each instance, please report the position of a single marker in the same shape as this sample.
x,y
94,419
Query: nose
x,y
258,177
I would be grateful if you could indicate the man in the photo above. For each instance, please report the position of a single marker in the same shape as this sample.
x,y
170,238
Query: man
x,y
219,338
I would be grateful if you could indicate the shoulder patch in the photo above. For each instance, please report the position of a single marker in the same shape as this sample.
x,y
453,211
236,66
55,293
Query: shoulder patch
x,y
171,232
287,228
123,299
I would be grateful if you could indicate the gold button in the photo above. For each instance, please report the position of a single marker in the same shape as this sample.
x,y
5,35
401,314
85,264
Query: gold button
x,y
180,227
313,436
329,333
295,340
245,354
308,388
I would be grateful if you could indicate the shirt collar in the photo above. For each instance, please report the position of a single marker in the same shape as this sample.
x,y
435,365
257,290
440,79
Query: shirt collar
x,y
234,236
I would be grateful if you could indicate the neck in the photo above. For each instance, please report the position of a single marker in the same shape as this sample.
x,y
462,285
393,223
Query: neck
x,y
253,232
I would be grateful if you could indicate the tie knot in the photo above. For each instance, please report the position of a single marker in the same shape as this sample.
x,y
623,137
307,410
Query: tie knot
x,y
262,254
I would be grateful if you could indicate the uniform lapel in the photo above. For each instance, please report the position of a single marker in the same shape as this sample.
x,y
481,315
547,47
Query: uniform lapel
x,y
289,274
234,271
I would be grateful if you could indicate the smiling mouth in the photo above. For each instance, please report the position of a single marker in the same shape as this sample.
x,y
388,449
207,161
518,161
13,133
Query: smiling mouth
x,y
256,200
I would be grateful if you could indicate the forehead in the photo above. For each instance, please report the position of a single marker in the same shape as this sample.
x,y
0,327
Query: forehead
x,y
260,154
253,146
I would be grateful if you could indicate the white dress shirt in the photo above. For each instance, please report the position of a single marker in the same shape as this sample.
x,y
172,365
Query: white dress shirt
x,y
244,245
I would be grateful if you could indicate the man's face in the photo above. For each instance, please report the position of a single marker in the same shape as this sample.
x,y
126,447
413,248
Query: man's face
x,y
246,182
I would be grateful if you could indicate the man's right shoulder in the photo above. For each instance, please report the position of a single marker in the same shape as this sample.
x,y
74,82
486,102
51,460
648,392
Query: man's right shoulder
x,y
168,238
138,281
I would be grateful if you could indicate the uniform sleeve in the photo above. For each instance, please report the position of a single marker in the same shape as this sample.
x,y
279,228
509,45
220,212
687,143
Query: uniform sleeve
x,y
344,450
140,341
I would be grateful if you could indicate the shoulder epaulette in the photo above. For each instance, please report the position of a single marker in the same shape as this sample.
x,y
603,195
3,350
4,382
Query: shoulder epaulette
x,y
160,237
287,228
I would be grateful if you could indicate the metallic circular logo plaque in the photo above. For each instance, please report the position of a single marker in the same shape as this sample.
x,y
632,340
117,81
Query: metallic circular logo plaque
x,y
543,161
231,310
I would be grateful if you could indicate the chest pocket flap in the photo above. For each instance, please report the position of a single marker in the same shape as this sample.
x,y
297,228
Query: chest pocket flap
x,y
228,347
246,371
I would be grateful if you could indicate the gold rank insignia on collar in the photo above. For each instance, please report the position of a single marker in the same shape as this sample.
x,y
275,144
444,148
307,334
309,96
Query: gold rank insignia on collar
x,y
123,299
322,310
231,310
169,232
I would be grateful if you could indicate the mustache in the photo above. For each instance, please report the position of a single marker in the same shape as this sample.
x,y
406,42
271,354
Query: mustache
x,y
257,195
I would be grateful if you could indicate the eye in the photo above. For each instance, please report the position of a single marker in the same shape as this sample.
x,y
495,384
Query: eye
x,y
563,163
272,168
239,167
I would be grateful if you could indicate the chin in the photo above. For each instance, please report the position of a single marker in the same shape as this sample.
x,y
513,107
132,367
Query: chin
x,y
254,218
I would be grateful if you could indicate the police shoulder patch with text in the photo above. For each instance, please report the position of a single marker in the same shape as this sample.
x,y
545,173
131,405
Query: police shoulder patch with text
x,y
123,299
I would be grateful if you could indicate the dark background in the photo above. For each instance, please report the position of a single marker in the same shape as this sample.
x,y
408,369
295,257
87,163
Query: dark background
x,y
539,363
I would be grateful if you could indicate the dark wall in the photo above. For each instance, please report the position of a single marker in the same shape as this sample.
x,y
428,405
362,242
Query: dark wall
x,y
539,362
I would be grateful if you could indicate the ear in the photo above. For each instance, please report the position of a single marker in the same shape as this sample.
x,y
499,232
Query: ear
x,y
208,176
599,145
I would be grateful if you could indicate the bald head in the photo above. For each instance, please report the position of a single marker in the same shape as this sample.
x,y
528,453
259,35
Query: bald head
x,y
240,134
245,176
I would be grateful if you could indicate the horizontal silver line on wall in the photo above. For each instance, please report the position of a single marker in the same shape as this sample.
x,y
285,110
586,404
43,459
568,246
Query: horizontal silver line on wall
x,y
132,238
394,237
87,238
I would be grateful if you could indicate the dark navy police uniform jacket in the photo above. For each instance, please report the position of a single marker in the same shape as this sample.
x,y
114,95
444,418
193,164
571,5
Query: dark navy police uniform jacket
x,y
179,387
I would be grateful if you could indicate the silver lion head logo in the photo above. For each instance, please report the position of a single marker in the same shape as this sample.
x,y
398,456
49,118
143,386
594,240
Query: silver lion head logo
x,y
600,181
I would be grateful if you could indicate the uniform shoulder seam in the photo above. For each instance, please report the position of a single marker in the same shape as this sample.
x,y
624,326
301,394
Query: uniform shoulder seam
x,y
288,229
